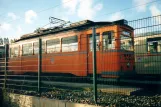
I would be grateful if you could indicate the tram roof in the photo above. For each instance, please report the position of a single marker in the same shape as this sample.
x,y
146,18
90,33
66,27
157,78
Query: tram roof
x,y
74,26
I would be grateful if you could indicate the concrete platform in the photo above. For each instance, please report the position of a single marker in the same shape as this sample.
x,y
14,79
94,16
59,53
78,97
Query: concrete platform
x,y
31,101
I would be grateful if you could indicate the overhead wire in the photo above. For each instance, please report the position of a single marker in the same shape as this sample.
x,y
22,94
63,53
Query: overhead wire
x,y
69,21
82,0
129,8
96,16
42,10
45,10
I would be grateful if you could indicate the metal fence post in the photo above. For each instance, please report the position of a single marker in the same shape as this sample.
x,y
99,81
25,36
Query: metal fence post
x,y
39,65
94,64
5,71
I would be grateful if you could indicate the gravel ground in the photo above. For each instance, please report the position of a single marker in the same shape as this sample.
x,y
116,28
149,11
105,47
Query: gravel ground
x,y
104,98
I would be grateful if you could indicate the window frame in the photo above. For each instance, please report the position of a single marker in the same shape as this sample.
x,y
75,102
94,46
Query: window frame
x,y
10,51
37,43
127,35
153,40
28,46
55,43
112,42
69,50
91,42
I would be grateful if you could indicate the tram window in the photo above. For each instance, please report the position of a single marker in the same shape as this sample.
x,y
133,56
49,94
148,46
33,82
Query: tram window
x,y
27,49
153,47
108,40
36,47
97,41
70,44
14,52
53,45
126,41
154,44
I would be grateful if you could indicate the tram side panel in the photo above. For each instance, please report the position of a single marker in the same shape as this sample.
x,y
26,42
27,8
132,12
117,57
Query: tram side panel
x,y
65,63
146,62
68,61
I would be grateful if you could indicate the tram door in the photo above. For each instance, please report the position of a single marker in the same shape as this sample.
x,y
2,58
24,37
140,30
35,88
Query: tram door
x,y
90,55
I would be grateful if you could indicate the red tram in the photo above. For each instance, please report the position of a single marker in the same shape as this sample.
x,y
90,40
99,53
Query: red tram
x,y
68,50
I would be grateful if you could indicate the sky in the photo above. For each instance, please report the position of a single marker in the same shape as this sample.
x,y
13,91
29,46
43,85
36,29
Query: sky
x,y
18,17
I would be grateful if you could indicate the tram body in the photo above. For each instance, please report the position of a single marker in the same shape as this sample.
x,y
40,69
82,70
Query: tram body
x,y
148,54
69,50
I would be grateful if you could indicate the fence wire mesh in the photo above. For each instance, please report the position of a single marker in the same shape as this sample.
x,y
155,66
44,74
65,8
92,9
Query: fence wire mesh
x,y
128,59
